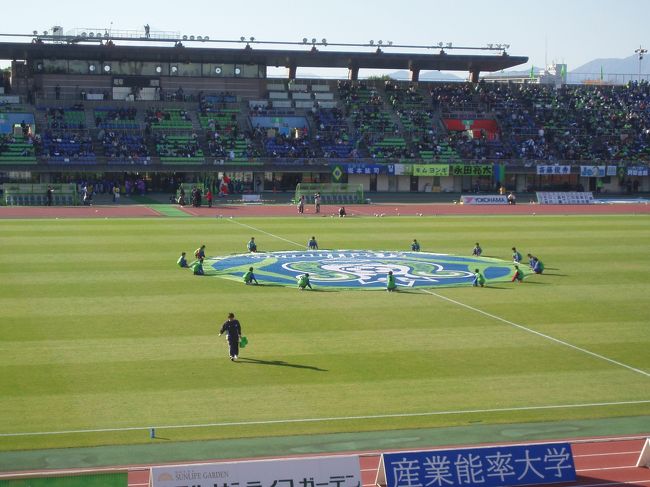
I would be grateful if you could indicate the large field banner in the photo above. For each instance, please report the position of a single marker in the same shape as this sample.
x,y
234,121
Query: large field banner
x,y
339,471
564,198
487,467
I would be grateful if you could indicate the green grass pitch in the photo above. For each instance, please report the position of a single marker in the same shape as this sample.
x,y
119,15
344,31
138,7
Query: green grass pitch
x,y
99,330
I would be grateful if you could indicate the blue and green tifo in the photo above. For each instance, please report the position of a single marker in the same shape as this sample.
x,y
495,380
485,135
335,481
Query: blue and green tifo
x,y
361,269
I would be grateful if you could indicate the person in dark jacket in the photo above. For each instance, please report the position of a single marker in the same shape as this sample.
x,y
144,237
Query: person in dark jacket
x,y
232,329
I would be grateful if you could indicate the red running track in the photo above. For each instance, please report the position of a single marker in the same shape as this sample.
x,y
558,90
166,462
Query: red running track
x,y
603,462
433,209
395,209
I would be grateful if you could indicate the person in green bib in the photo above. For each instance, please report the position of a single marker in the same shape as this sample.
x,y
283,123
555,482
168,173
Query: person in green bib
x,y
479,279
303,282
390,282
249,277
197,268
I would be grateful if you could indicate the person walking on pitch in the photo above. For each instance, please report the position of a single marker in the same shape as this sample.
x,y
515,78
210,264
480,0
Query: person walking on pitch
x,y
232,329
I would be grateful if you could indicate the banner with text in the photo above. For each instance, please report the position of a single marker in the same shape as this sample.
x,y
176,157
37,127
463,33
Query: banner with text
x,y
430,170
340,471
471,169
487,467
553,169
593,171
637,171
488,199
564,198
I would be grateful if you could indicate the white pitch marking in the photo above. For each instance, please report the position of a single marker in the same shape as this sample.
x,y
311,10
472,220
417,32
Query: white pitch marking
x,y
267,233
332,418
548,337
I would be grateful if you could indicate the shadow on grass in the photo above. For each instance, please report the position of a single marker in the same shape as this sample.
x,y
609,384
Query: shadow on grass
x,y
535,282
281,363
554,274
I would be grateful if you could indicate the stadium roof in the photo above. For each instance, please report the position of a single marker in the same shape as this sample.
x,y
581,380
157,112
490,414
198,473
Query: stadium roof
x,y
268,57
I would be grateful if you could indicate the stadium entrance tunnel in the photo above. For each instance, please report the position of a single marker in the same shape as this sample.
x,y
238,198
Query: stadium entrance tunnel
x,y
361,269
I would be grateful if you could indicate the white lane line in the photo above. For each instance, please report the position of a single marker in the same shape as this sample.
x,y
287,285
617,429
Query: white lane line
x,y
534,332
332,418
607,454
232,220
603,468
606,484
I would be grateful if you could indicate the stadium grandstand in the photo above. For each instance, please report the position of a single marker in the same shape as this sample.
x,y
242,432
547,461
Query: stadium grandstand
x,y
76,108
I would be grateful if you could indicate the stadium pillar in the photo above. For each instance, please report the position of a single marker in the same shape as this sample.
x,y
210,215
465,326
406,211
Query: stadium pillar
x,y
353,74
292,71
415,75
473,75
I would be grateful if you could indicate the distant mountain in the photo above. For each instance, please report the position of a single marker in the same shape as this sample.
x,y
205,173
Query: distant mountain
x,y
628,65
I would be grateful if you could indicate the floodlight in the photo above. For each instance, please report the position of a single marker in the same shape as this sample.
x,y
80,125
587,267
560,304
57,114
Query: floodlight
x,y
35,32
372,43
199,38
158,69
184,38
92,34
191,38
324,41
313,40
449,44
217,70
206,38
252,39
242,38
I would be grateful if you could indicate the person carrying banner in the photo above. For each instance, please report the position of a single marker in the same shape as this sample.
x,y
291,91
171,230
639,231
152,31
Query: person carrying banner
x,y
200,253
197,267
251,245
519,275
516,256
303,282
415,246
479,279
390,282
182,261
249,277
477,250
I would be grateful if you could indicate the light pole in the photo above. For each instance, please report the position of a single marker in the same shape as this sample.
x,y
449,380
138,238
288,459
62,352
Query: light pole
x,y
640,52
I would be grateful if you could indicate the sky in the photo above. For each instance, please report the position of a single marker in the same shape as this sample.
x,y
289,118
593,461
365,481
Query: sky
x,y
565,31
